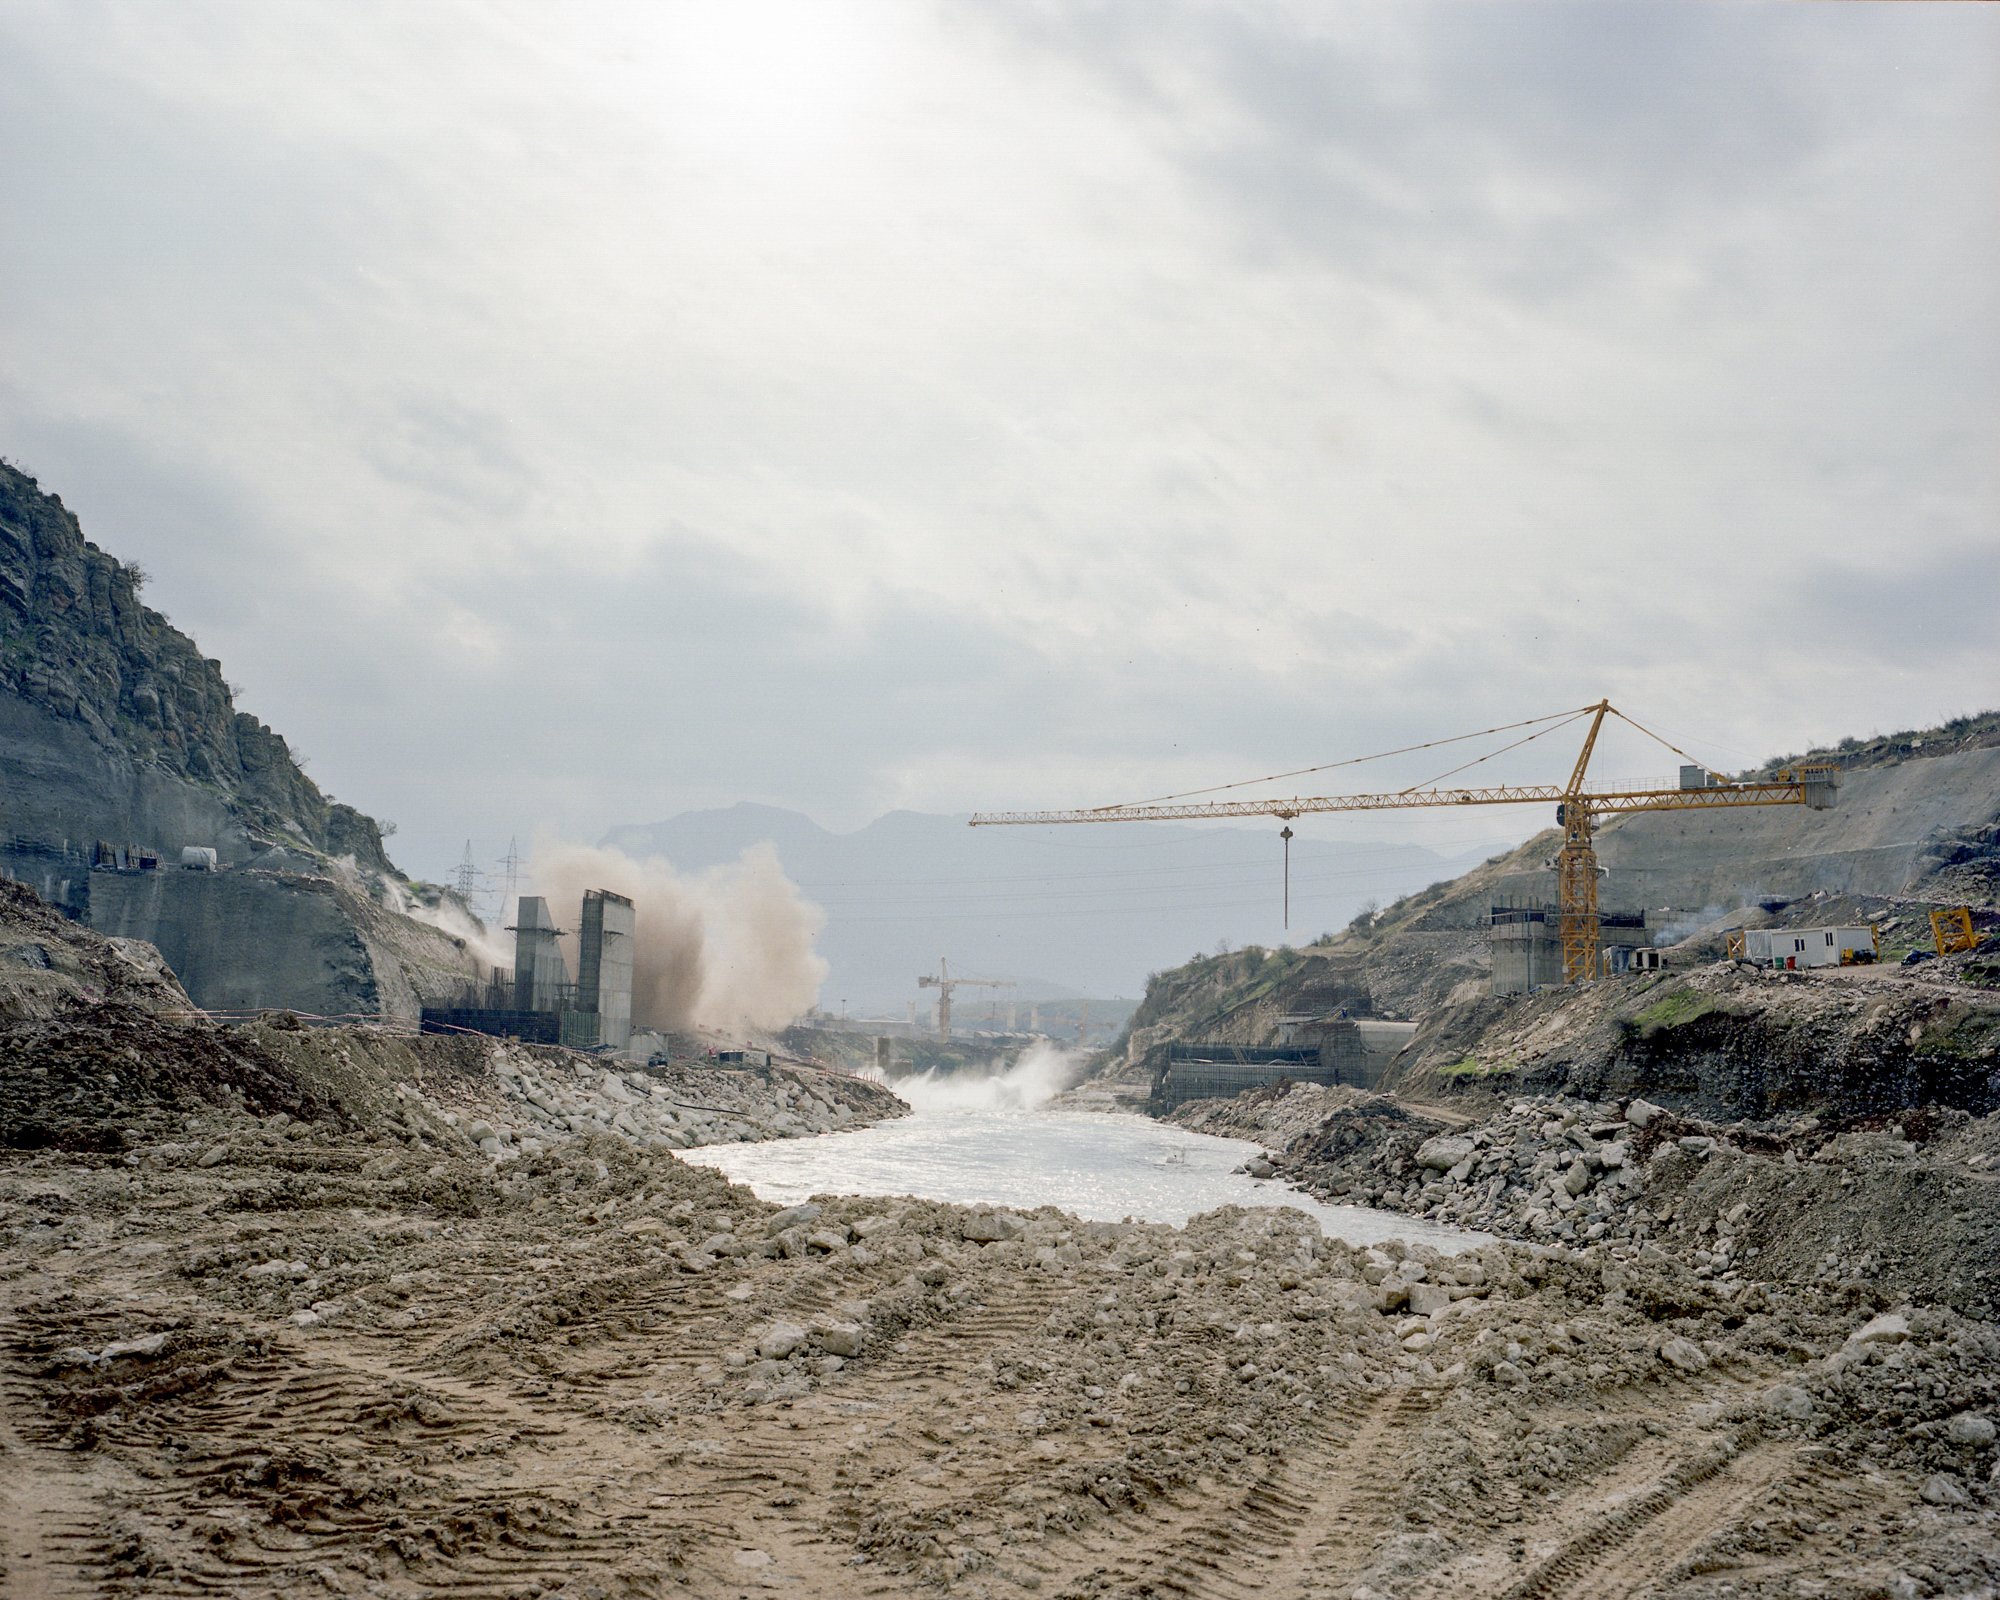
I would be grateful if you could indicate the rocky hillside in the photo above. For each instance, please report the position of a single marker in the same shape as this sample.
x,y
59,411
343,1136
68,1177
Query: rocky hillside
x,y
1916,823
118,727
117,731
1727,1040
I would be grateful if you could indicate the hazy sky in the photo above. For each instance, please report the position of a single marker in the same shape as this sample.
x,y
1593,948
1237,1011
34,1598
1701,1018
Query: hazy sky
x,y
563,415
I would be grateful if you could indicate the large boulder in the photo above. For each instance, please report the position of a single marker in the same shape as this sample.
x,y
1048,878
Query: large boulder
x,y
1445,1151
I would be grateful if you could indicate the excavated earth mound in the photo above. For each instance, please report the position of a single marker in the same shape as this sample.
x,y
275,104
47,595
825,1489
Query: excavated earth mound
x,y
1729,1040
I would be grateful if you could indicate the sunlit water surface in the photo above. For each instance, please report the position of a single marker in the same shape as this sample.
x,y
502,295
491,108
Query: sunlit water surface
x,y
985,1142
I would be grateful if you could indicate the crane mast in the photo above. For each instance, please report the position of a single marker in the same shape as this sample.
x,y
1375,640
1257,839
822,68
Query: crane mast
x,y
1578,809
944,983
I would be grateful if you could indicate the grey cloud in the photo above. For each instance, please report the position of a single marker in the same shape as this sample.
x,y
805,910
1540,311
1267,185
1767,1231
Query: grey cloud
x,y
1374,372
1338,137
461,455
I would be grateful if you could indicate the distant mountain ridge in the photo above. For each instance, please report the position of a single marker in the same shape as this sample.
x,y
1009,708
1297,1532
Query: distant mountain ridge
x,y
1061,911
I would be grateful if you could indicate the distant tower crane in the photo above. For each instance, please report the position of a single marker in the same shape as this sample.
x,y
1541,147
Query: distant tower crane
x,y
1577,810
944,983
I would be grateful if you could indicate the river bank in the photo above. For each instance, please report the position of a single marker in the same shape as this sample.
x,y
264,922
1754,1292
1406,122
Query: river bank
x,y
1906,1203
1012,1140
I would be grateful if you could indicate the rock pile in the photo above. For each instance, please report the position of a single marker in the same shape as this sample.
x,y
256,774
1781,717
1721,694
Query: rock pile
x,y
1796,1199
523,1100
670,1108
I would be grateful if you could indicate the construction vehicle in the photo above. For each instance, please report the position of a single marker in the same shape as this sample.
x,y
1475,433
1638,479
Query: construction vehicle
x,y
1578,809
944,983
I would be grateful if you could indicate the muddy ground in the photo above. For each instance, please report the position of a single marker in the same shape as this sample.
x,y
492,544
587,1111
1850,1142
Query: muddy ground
x,y
285,1313
279,1355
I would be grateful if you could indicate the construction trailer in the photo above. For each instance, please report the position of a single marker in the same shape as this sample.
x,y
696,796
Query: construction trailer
x,y
1810,947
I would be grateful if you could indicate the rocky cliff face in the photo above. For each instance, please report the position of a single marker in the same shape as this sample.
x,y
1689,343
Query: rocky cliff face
x,y
124,729
116,729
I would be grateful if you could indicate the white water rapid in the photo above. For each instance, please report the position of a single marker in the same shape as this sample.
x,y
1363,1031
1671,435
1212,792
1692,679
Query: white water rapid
x,y
990,1141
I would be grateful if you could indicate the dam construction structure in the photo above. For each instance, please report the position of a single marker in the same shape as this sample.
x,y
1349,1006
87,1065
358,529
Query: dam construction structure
x,y
1355,1052
1579,805
538,1002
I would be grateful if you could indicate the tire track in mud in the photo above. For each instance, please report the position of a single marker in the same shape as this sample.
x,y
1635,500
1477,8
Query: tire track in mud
x,y
1675,1510
305,1436
49,1548
1790,1514
780,1469
52,1527
1615,1455
324,1455
1008,1313
1324,1502
734,1494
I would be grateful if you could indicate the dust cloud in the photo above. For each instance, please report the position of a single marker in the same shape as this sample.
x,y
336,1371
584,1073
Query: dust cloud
x,y
730,948
449,917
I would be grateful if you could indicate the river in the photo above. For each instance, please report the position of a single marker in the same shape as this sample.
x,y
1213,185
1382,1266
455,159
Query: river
x,y
996,1141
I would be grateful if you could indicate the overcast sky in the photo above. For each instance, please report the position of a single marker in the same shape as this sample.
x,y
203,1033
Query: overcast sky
x,y
565,415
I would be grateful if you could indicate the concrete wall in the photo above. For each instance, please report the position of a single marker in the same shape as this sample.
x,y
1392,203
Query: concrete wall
x,y
541,975
1527,953
1526,957
604,965
240,940
59,875
1336,1051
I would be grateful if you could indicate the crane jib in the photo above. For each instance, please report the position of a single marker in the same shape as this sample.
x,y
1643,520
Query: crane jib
x,y
1612,802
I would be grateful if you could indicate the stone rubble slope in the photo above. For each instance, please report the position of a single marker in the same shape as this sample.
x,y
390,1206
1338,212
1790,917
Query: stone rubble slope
x,y
50,966
1728,1040
1909,1200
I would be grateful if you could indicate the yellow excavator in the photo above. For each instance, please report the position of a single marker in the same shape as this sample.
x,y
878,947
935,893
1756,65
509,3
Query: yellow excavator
x,y
1578,808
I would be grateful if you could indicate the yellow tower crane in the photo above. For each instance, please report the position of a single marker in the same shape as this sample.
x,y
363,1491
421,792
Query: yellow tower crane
x,y
944,983
1577,810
